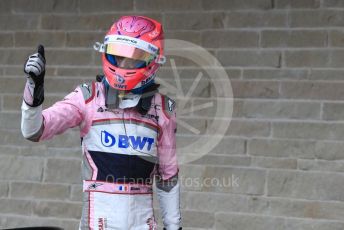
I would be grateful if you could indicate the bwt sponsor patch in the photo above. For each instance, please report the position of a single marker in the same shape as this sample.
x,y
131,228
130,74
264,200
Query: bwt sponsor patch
x,y
123,141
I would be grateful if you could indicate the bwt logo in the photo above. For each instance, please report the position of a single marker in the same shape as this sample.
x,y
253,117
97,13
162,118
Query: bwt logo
x,y
120,79
123,141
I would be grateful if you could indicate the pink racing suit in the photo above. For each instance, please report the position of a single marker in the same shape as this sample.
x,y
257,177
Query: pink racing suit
x,y
122,151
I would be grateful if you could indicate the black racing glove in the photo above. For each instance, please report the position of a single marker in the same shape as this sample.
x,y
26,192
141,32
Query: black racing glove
x,y
35,69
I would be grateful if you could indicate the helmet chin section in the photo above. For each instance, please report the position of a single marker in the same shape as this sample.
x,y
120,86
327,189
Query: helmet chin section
x,y
140,88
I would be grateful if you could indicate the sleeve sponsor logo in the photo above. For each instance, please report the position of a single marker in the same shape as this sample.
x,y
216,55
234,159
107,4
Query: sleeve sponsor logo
x,y
170,104
87,87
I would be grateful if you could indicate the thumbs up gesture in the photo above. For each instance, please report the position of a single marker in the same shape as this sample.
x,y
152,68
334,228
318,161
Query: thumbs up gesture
x,y
35,66
34,69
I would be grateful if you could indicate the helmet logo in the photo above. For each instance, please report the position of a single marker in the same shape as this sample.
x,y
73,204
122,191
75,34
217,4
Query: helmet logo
x,y
135,24
153,34
126,39
144,82
150,47
120,79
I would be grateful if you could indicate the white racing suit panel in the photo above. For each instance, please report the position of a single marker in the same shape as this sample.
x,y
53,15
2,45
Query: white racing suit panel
x,y
31,121
117,206
169,205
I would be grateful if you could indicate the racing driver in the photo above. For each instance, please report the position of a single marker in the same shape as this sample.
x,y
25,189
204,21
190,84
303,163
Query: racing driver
x,y
127,129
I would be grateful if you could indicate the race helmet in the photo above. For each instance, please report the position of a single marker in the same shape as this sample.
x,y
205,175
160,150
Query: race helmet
x,y
133,51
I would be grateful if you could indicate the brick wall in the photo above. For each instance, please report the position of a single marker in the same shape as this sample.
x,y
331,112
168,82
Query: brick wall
x,y
284,147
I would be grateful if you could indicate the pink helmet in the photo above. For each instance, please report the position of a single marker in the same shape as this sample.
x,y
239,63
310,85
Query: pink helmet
x,y
133,52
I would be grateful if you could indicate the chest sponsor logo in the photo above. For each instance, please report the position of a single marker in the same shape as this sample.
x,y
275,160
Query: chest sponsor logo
x,y
124,141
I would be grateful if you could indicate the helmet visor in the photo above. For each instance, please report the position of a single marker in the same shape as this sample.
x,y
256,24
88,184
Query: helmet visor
x,y
128,51
124,62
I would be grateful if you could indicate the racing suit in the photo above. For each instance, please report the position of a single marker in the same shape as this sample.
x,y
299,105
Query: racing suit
x,y
122,151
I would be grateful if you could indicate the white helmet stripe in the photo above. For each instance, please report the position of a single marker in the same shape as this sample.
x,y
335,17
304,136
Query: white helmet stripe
x,y
138,43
